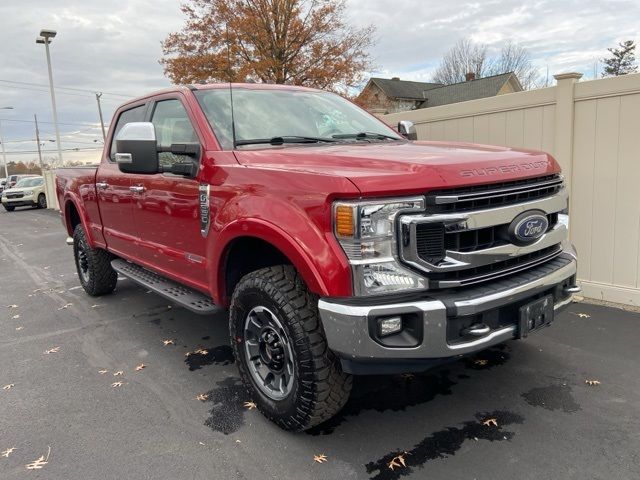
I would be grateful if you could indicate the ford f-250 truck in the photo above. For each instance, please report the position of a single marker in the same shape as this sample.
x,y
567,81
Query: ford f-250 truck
x,y
339,246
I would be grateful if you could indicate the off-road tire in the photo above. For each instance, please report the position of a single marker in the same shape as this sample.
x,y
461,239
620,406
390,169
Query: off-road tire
x,y
9,208
42,201
102,278
320,388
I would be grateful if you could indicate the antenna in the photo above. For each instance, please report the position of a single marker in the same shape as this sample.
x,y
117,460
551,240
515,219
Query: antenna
x,y
233,121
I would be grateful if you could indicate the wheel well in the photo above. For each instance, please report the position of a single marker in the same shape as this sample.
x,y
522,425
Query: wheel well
x,y
73,217
246,255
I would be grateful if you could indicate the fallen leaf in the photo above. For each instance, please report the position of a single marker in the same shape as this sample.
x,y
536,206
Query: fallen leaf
x,y
19,328
397,461
249,405
67,305
490,422
15,317
169,342
407,376
95,306
116,384
238,441
481,362
188,354
118,373
592,382
8,452
8,386
320,458
202,351
40,462
582,315
52,350
102,372
140,367
203,397
12,306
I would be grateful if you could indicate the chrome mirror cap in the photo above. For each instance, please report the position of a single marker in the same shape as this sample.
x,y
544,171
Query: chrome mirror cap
x,y
407,129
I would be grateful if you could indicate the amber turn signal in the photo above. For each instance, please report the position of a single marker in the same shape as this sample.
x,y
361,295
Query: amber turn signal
x,y
344,221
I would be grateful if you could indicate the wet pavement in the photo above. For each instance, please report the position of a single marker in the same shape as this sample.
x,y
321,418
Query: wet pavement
x,y
521,410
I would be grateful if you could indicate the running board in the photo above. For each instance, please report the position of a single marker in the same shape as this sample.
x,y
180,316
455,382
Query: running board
x,y
186,297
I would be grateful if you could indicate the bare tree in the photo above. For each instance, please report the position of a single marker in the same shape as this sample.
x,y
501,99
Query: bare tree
x,y
464,57
469,57
515,58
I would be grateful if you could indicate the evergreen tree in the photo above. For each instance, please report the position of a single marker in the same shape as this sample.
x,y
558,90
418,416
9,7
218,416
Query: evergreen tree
x,y
623,60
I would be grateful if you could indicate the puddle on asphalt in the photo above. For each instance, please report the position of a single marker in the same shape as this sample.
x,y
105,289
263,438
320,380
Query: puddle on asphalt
x,y
444,443
228,398
394,393
552,397
487,359
220,355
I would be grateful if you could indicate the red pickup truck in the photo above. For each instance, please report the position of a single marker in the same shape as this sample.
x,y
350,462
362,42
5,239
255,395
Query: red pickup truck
x,y
339,246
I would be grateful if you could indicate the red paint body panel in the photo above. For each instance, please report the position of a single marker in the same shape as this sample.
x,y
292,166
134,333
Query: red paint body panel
x,y
282,195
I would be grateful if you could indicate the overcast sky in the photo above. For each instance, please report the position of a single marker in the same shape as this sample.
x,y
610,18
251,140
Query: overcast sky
x,y
114,47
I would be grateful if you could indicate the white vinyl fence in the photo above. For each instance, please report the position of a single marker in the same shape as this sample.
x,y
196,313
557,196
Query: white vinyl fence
x,y
593,129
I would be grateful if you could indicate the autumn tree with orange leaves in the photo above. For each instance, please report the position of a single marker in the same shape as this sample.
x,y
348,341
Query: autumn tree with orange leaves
x,y
299,42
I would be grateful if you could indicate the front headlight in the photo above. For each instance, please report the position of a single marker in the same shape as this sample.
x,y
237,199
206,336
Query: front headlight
x,y
366,231
28,193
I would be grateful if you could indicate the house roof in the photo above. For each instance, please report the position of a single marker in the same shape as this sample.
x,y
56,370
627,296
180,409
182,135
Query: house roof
x,y
396,88
471,90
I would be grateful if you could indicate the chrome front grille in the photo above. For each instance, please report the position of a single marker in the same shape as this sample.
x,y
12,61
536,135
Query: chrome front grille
x,y
463,245
494,194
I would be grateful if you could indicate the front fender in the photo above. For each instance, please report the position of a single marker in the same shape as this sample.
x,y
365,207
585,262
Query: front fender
x,y
314,257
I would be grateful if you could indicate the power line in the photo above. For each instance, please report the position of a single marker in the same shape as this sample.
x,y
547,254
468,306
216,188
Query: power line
x,y
26,152
73,124
68,88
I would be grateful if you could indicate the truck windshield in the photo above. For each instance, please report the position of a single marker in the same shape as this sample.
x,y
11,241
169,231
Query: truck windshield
x,y
261,115
28,182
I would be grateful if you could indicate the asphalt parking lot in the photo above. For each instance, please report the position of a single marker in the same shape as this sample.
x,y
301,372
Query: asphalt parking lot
x,y
56,341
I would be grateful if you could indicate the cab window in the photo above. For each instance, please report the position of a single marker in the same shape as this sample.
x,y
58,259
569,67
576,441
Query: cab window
x,y
172,126
135,114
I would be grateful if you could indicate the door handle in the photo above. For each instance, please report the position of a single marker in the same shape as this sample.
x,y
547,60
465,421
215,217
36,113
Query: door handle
x,y
102,185
137,189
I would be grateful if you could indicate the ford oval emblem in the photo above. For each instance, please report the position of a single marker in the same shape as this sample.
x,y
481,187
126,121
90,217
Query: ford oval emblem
x,y
528,227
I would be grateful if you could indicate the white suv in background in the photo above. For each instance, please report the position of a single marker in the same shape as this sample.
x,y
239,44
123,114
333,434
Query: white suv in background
x,y
26,192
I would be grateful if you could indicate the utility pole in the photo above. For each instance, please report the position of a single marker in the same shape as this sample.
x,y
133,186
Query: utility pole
x,y
4,155
45,37
104,134
38,143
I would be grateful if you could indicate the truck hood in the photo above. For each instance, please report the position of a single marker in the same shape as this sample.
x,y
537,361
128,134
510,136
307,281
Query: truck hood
x,y
411,167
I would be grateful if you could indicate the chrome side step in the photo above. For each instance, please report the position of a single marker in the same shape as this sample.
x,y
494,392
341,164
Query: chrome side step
x,y
186,297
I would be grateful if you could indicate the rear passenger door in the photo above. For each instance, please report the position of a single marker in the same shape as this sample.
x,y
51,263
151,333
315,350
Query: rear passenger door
x,y
166,208
114,193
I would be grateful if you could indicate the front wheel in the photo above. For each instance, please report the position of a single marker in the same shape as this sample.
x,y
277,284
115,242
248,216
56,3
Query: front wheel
x,y
42,201
282,352
96,275
9,208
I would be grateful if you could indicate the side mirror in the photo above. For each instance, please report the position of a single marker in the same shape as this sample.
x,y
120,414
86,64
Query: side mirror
x,y
407,130
137,148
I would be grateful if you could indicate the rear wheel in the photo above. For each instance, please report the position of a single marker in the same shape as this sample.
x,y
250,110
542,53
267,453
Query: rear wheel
x,y
282,352
42,201
9,208
93,265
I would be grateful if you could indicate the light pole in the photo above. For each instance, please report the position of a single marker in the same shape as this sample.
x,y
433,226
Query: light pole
x,y
4,155
45,38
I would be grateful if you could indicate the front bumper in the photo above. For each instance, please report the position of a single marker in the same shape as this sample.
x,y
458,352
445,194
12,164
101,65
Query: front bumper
x,y
350,324
18,202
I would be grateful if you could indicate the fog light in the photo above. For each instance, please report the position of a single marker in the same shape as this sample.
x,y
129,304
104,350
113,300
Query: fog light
x,y
389,325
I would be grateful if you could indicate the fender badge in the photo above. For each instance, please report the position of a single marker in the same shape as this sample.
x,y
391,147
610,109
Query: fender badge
x,y
205,213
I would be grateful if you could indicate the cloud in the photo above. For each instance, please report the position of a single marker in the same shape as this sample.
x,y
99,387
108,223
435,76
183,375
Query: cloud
x,y
114,47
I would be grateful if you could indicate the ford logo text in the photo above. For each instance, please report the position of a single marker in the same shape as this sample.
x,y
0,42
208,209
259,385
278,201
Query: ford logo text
x,y
528,227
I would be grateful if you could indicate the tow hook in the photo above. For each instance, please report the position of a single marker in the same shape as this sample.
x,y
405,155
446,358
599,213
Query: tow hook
x,y
572,289
69,241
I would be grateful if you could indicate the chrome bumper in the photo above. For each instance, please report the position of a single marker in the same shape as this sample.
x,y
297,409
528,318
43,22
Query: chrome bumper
x,y
347,324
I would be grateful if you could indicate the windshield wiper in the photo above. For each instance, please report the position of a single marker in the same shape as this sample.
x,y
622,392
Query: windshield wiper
x,y
284,139
365,136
